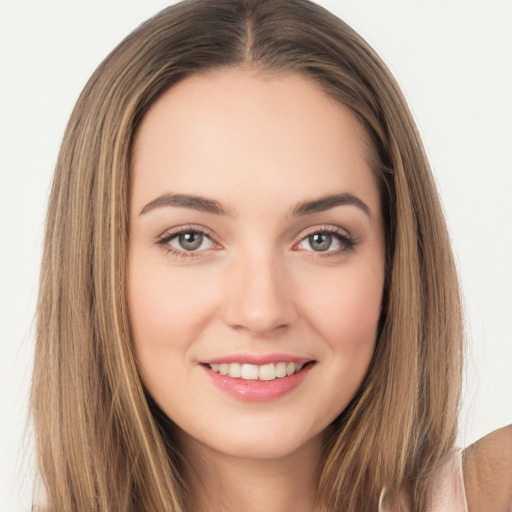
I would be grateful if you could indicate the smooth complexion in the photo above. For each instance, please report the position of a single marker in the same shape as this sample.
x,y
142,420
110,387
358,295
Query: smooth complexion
x,y
256,237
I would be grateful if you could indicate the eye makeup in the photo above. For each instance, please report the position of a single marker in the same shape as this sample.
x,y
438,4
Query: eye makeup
x,y
189,241
326,240
193,239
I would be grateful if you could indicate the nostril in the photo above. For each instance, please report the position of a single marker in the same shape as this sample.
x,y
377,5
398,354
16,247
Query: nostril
x,y
258,297
258,326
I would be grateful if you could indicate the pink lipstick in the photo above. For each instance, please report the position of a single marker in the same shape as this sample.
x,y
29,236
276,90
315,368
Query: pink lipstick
x,y
258,378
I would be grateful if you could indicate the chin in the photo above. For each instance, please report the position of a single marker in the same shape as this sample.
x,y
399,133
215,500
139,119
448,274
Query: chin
x,y
259,441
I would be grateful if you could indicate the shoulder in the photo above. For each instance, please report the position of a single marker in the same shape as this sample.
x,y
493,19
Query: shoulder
x,y
487,466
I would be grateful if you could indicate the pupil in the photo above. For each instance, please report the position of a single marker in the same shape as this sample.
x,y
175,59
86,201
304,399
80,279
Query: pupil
x,y
191,241
320,241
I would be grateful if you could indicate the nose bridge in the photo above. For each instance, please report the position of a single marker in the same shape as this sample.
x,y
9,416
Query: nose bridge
x,y
259,298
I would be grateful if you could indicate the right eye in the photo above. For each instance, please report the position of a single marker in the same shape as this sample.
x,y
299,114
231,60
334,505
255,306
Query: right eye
x,y
186,242
190,241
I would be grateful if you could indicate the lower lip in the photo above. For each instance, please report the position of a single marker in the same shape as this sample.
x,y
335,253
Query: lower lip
x,y
258,390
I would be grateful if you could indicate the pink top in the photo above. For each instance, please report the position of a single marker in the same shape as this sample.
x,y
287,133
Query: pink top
x,y
449,495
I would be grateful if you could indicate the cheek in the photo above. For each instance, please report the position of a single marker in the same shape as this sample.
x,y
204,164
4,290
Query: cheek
x,y
346,317
346,310
164,306
168,312
165,321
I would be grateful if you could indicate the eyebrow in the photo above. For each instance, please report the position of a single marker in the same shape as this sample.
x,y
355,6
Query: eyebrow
x,y
185,201
203,204
331,201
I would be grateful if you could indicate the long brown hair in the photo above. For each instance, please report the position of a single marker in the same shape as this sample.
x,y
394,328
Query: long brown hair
x,y
102,444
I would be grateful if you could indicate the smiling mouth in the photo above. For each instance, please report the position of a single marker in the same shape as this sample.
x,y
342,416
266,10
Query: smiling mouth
x,y
265,372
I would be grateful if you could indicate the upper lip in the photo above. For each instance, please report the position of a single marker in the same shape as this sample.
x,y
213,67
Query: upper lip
x,y
257,359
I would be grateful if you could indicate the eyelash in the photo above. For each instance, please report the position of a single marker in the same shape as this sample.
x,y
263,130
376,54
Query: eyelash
x,y
347,241
344,238
164,239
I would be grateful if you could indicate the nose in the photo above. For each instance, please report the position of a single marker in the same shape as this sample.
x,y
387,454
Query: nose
x,y
259,296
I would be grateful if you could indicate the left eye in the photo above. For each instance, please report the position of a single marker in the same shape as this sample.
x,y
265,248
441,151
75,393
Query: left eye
x,y
190,241
324,242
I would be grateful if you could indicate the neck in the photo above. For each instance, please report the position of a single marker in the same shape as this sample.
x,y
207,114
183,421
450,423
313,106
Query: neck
x,y
225,483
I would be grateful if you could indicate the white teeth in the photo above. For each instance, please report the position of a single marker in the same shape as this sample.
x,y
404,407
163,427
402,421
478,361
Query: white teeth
x,y
281,369
235,370
250,371
269,371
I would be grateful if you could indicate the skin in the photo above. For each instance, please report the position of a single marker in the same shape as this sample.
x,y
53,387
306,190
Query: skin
x,y
487,468
258,145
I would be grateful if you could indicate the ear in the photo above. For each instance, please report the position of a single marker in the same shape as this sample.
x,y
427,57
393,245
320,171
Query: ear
x,y
487,466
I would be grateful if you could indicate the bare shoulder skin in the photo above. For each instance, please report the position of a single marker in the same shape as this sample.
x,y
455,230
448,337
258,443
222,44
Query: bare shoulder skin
x,y
488,472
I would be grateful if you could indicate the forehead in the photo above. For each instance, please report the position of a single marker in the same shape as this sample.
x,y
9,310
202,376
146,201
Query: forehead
x,y
241,129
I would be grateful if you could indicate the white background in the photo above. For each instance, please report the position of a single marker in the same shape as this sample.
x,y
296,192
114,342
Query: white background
x,y
452,59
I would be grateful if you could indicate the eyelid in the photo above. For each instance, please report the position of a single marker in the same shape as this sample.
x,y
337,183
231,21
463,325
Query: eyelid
x,y
164,238
186,228
343,235
323,228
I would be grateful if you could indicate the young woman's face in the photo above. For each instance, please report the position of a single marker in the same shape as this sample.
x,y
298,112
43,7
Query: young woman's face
x,y
256,250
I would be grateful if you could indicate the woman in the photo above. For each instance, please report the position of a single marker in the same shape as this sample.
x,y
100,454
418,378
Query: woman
x,y
248,299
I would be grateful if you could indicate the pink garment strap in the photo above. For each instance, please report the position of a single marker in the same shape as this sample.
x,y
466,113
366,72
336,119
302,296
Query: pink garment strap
x,y
448,493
